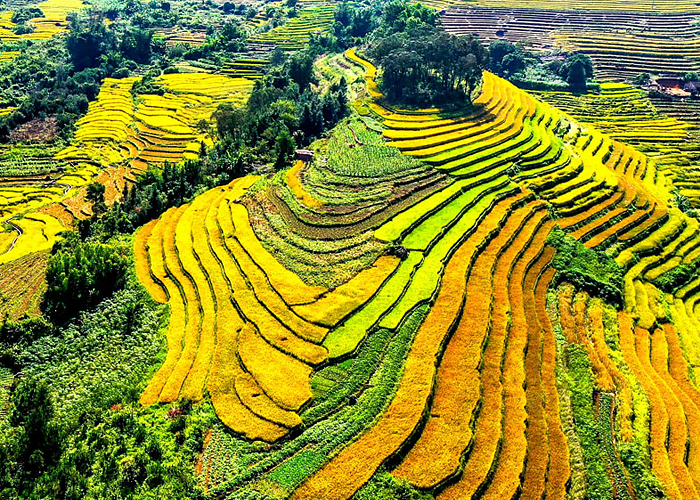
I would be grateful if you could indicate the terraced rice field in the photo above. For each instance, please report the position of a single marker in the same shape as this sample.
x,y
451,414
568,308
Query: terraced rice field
x,y
53,23
626,114
21,286
119,136
174,36
244,68
452,368
621,44
152,129
296,32
657,6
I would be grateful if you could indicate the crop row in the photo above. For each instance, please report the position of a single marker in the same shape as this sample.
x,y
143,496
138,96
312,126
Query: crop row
x,y
497,457
627,115
458,381
399,420
588,182
6,379
317,217
297,31
665,426
624,6
21,285
53,23
513,128
622,42
204,252
244,68
371,378
205,338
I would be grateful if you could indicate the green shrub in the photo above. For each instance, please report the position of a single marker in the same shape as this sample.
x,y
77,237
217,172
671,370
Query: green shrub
x,y
590,270
24,14
387,487
581,384
677,277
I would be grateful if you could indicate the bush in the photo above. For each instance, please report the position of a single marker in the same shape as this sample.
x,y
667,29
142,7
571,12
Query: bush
x,y
677,277
24,14
592,271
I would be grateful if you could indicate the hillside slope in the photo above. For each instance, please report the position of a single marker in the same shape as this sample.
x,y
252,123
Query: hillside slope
x,y
448,368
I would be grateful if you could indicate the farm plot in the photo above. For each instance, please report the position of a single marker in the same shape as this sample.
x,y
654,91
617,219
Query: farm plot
x,y
152,129
296,32
176,35
244,68
53,23
486,449
318,217
21,285
230,299
659,6
117,138
626,114
622,42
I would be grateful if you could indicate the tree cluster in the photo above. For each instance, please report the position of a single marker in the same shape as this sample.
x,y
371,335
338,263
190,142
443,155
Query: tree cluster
x,y
31,445
80,275
426,65
113,453
398,16
356,22
512,60
229,38
24,14
575,70
283,112
507,59
352,23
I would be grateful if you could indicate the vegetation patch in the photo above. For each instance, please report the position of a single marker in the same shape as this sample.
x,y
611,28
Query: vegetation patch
x,y
594,272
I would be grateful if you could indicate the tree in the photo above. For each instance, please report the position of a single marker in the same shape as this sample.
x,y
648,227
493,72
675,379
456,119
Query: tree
x,y
96,192
136,45
80,275
300,68
284,149
576,76
88,40
33,445
576,70
230,121
24,14
642,79
362,22
498,50
398,15
513,63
